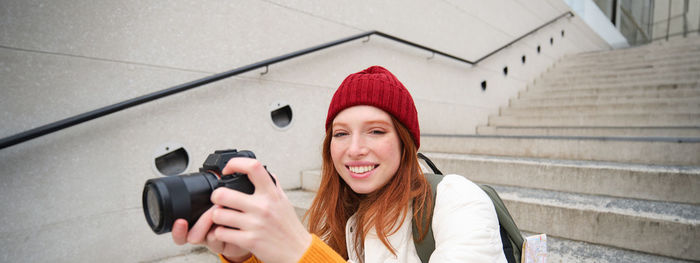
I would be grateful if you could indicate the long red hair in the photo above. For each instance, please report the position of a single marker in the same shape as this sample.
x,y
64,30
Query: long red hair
x,y
383,210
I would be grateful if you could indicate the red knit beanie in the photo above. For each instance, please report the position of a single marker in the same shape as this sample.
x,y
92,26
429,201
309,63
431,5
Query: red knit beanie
x,y
376,86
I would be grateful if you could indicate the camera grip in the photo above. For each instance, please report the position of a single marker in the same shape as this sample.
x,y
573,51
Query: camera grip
x,y
240,182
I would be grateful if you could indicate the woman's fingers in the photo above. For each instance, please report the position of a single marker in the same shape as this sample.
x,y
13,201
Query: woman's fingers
x,y
229,218
256,173
267,222
179,231
231,251
204,231
199,231
214,244
233,236
224,197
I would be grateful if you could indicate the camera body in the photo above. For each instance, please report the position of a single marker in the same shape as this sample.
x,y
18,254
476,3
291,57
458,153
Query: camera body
x,y
187,196
216,162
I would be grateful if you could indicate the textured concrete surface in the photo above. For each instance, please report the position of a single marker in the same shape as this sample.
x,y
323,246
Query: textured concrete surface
x,y
591,131
563,250
622,88
659,228
651,182
199,254
612,108
640,150
310,180
630,120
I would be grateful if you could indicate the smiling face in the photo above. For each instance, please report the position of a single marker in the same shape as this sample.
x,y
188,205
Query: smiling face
x,y
365,148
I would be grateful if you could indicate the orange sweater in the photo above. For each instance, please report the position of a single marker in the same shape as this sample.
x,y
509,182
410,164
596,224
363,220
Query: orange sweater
x,y
319,252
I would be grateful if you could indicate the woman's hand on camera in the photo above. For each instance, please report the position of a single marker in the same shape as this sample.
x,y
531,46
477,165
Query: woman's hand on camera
x,y
265,222
203,233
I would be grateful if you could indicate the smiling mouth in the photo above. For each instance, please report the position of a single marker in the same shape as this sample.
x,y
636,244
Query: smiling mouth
x,y
362,169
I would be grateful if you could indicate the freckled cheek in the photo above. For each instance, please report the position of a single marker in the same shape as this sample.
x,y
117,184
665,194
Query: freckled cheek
x,y
336,154
393,152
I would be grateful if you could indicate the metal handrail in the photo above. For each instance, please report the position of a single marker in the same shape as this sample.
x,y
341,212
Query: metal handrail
x,y
68,122
634,22
567,14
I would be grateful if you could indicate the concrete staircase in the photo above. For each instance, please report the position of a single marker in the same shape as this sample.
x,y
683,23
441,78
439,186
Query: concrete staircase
x,y
602,153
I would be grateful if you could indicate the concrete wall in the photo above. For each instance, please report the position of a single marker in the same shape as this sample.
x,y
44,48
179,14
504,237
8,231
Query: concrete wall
x,y
591,13
75,195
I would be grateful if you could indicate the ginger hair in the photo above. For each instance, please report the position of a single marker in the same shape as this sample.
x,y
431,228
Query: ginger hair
x,y
383,209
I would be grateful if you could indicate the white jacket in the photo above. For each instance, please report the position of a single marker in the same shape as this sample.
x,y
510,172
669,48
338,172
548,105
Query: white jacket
x,y
465,227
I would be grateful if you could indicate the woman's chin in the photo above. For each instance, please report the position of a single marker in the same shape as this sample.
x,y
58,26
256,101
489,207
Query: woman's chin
x,y
362,189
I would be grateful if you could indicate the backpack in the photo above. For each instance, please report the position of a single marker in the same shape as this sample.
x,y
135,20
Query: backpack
x,y
511,237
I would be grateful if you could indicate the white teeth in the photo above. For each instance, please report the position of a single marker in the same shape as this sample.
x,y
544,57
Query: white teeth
x,y
361,169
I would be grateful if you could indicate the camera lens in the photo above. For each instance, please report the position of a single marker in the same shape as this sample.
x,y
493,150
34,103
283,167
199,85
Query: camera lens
x,y
169,198
152,206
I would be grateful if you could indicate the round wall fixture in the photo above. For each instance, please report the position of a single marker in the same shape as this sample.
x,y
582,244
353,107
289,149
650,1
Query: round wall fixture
x,y
170,159
281,115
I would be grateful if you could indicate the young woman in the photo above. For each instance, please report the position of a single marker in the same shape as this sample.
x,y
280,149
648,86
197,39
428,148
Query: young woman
x,y
371,183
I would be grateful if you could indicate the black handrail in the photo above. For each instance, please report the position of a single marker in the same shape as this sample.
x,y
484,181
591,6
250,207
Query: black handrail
x,y
526,34
65,123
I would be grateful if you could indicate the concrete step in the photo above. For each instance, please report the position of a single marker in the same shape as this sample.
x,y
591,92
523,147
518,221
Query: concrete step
x,y
640,150
604,224
651,182
674,88
606,73
628,61
685,64
560,250
674,45
310,180
541,87
589,131
662,228
635,53
621,59
197,254
682,97
640,81
604,120
691,41
659,59
573,80
676,61
301,200
663,107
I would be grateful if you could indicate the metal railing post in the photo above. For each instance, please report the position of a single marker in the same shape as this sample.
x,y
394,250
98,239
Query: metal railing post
x,y
685,18
635,24
668,19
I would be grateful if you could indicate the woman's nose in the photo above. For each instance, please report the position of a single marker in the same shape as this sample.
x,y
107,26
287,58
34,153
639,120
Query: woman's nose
x,y
358,147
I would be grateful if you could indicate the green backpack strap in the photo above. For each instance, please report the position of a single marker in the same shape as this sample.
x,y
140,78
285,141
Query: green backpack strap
x,y
505,220
426,246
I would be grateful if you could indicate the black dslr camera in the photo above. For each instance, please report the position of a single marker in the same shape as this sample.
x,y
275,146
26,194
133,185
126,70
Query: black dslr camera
x,y
188,196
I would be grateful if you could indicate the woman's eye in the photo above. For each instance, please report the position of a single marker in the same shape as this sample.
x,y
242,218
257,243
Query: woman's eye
x,y
377,132
339,134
